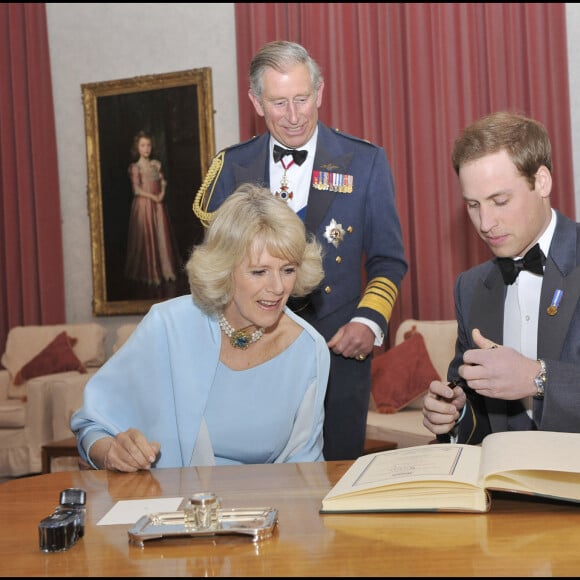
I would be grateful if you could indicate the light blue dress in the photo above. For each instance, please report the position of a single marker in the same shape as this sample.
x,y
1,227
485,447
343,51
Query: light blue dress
x,y
167,381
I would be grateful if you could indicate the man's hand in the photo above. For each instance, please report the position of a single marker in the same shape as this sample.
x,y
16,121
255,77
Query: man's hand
x,y
442,406
497,371
353,340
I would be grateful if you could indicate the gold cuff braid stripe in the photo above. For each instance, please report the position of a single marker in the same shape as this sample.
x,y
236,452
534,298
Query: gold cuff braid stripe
x,y
380,295
202,197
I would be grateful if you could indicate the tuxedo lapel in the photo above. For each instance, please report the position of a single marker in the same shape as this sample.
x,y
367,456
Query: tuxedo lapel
x,y
561,273
487,306
487,315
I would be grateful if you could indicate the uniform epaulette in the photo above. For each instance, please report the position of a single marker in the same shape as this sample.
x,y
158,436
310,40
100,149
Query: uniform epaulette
x,y
241,144
236,145
353,137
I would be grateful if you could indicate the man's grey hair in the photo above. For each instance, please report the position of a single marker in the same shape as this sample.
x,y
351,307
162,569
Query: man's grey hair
x,y
281,55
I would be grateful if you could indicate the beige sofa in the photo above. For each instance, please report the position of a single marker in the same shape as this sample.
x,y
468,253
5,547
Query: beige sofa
x,y
405,428
26,420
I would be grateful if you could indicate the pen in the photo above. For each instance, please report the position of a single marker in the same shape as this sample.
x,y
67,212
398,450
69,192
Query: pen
x,y
452,383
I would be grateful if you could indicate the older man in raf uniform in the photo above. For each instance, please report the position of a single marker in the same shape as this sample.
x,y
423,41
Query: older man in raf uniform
x,y
342,187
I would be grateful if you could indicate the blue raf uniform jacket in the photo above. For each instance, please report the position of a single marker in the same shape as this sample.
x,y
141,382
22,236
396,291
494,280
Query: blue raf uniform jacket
x,y
362,221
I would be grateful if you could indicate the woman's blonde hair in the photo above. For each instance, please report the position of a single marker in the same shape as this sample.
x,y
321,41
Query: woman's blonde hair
x,y
250,219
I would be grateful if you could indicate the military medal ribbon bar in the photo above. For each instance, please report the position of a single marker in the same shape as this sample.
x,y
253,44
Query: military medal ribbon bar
x,y
329,181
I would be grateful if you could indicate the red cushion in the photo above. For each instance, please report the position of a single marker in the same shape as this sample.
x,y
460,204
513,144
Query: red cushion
x,y
58,356
401,374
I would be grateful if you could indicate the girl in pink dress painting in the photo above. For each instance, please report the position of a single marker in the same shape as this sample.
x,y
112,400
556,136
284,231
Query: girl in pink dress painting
x,y
151,249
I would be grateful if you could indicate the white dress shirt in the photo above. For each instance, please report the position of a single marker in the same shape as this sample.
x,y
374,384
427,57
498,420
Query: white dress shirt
x,y
522,308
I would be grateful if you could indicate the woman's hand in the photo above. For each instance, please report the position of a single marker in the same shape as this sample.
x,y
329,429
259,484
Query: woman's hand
x,y
128,451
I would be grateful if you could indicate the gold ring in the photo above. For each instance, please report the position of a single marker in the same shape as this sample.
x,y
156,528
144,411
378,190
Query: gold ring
x,y
361,356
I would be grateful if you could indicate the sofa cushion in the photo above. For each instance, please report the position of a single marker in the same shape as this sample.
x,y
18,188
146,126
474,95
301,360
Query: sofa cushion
x,y
56,357
401,374
24,342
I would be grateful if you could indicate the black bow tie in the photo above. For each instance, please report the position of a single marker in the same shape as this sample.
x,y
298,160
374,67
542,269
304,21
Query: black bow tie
x,y
533,261
299,155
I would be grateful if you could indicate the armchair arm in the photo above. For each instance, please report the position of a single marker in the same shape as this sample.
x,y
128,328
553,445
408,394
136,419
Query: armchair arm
x,y
4,382
45,416
67,397
39,412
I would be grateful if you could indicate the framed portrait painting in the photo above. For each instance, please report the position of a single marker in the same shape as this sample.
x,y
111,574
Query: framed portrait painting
x,y
149,142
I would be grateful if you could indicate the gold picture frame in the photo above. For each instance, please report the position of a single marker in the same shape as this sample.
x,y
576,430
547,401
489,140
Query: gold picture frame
x,y
175,110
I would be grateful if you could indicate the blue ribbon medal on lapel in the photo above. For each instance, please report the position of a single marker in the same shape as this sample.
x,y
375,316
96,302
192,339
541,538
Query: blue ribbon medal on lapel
x,y
552,310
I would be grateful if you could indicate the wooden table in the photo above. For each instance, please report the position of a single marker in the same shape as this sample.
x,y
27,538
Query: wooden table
x,y
376,445
518,537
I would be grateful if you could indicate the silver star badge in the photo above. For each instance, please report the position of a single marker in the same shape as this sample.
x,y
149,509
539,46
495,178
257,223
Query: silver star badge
x,y
334,233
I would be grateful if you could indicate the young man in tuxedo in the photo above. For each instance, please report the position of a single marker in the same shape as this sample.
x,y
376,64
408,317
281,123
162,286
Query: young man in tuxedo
x,y
517,362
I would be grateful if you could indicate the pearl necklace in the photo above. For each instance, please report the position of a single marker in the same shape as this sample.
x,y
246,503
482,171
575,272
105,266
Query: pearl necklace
x,y
239,338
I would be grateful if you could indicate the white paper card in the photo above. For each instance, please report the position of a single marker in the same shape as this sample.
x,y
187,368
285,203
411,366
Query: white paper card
x,y
128,511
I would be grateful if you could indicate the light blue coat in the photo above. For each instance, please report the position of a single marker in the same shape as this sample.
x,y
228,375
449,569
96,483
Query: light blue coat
x,y
161,380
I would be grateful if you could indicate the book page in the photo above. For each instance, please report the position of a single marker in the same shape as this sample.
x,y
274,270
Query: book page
x,y
441,463
544,462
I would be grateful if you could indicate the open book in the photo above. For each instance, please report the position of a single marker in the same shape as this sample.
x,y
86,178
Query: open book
x,y
457,477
